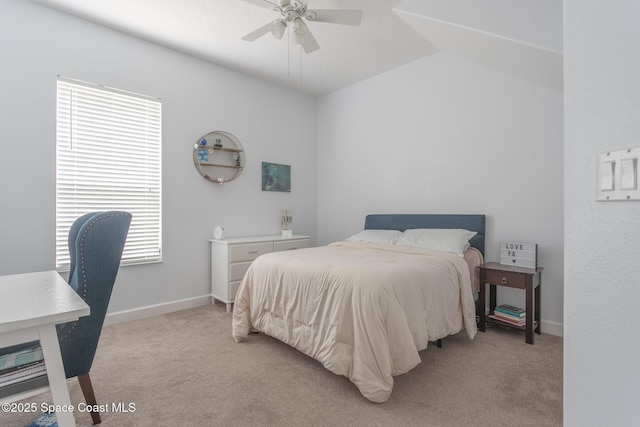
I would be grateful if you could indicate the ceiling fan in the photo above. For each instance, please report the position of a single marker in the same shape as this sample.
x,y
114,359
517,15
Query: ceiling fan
x,y
294,13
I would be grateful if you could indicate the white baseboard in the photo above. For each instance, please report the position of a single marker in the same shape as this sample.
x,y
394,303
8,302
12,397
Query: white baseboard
x,y
548,327
155,310
552,328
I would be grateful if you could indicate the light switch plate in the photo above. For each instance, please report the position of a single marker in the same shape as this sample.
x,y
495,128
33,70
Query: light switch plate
x,y
607,175
617,175
629,173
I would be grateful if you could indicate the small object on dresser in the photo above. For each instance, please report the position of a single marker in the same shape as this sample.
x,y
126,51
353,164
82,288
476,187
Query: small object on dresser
x,y
519,254
218,232
203,142
218,144
287,219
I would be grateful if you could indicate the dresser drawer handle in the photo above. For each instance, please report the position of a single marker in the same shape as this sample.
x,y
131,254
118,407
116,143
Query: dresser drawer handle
x,y
504,280
253,252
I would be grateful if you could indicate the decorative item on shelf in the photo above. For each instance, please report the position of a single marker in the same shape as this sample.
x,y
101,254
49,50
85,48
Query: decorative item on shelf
x,y
287,219
203,155
220,162
519,254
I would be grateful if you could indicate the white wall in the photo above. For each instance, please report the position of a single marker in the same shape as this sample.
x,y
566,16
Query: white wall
x,y
602,240
38,43
446,135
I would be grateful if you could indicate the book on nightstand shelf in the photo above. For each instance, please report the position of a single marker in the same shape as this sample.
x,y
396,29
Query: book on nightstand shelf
x,y
510,314
511,310
521,322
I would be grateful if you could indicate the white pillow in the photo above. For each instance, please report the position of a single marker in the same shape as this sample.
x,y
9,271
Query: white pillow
x,y
454,240
376,236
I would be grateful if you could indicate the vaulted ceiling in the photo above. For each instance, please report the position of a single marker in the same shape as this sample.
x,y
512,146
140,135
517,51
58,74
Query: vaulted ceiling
x,y
522,38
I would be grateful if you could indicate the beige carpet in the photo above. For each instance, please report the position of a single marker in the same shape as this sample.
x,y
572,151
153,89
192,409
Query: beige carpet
x,y
184,369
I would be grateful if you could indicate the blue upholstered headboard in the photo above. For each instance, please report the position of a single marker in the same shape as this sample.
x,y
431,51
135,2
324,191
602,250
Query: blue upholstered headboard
x,y
406,221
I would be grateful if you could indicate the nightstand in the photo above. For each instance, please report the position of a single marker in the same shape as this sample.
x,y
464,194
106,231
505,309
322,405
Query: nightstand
x,y
528,279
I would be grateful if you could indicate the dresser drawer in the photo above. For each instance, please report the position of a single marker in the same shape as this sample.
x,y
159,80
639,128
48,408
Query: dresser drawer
x,y
237,270
249,251
233,289
290,245
232,257
505,278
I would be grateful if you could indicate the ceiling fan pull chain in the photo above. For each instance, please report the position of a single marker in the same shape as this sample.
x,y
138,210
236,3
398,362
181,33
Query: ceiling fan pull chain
x,y
300,56
289,42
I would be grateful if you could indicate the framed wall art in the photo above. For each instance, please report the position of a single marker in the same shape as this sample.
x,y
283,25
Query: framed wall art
x,y
276,177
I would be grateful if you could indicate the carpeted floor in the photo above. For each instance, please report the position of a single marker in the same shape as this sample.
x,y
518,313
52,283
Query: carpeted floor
x,y
184,369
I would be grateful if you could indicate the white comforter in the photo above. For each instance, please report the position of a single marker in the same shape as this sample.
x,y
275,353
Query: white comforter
x,y
363,310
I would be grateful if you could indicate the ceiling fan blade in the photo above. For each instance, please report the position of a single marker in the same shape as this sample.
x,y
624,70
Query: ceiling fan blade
x,y
265,3
335,16
302,36
255,35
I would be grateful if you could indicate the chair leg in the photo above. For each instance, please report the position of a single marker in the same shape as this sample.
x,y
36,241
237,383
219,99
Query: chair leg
x,y
89,396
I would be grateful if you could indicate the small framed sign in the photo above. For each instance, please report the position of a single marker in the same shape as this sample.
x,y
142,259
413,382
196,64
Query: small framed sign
x,y
519,254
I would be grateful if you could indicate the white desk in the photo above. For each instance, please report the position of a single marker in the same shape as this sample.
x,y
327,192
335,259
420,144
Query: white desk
x,y
31,304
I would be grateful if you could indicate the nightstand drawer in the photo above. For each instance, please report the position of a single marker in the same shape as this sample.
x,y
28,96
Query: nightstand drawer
x,y
290,245
249,252
505,278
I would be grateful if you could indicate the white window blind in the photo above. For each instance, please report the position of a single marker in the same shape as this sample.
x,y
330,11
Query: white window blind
x,y
109,158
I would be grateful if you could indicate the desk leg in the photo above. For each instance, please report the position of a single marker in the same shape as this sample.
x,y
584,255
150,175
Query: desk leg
x,y
55,374
531,309
537,303
493,298
482,300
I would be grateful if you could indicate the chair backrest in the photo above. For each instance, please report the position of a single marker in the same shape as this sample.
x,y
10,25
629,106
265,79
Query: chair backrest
x,y
71,241
96,241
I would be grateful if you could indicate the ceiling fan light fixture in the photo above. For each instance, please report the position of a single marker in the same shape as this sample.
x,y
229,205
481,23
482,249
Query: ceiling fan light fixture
x,y
299,27
278,28
294,14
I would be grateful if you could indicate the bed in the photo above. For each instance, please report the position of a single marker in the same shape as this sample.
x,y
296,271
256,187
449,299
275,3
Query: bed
x,y
364,308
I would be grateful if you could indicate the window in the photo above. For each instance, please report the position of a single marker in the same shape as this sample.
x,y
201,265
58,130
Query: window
x,y
108,157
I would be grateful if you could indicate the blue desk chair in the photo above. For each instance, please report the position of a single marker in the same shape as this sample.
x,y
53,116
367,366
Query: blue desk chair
x,y
96,241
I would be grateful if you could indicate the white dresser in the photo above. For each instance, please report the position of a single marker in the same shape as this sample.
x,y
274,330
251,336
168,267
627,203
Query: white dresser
x,y
231,257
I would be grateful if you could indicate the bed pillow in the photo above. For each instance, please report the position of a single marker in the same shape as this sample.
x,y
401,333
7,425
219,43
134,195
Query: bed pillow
x,y
454,240
376,236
